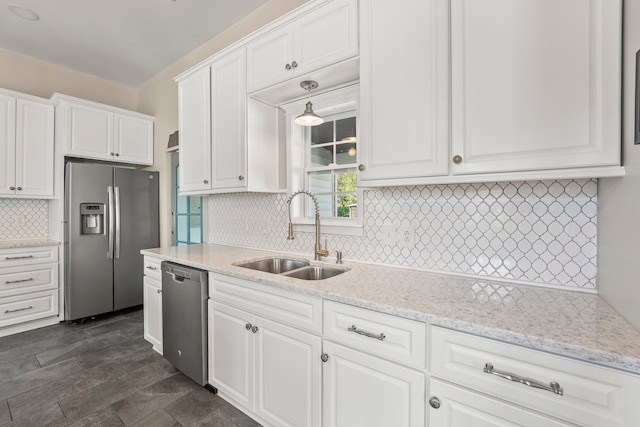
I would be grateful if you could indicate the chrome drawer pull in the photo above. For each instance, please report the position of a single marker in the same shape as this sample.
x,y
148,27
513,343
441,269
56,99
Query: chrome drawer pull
x,y
18,257
19,309
353,328
553,386
18,281
149,267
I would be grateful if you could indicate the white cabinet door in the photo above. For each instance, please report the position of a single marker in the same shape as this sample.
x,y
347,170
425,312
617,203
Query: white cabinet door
x,y
318,39
7,144
326,36
195,132
34,148
231,352
458,407
153,313
228,122
362,390
404,101
269,59
529,90
133,139
90,132
288,375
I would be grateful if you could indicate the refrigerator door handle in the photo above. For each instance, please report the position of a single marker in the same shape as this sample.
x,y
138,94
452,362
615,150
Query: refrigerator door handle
x,y
110,231
116,253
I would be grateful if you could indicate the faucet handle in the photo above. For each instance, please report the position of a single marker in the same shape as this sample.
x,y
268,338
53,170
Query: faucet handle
x,y
338,257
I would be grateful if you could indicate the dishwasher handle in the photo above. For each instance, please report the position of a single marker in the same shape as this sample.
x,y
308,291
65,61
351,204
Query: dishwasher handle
x,y
178,275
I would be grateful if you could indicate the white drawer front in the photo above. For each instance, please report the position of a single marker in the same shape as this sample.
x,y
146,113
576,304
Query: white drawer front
x,y
291,308
391,337
591,395
28,256
23,308
20,280
152,268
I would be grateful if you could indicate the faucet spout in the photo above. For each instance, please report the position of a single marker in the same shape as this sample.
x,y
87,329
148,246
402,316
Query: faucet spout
x,y
319,251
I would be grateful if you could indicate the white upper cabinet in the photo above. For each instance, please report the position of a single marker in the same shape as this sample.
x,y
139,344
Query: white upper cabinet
x,y
535,84
101,132
194,123
220,151
318,39
527,95
404,120
26,144
229,122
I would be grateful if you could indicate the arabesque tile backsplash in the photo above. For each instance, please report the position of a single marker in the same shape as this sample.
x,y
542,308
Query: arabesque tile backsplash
x,y
36,219
539,232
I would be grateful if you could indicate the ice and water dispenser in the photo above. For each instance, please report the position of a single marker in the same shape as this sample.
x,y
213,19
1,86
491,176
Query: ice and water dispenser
x,y
92,218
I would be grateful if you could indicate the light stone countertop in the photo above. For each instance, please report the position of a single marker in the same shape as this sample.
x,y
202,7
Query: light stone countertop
x,y
27,243
569,323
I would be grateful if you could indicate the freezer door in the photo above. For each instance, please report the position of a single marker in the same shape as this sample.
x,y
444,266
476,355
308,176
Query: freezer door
x,y
88,285
137,228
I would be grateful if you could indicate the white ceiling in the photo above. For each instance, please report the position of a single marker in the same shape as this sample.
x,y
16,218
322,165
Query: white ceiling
x,y
125,41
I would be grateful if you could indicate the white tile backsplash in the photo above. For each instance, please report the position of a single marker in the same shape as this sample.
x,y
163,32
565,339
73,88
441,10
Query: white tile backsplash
x,y
541,232
36,219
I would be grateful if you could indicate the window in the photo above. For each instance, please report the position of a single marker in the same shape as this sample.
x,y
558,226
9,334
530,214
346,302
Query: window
x,y
324,160
332,165
187,216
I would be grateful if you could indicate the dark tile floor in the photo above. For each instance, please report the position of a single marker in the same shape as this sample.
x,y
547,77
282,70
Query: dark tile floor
x,y
101,373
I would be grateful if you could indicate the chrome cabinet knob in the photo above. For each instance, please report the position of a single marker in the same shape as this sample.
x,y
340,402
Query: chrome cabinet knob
x,y
19,188
159,291
324,357
241,178
287,67
12,188
254,329
361,167
117,154
434,402
457,159
205,181
294,64
247,326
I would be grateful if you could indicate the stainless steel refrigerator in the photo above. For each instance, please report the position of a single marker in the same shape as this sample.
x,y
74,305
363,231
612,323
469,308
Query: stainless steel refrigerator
x,y
111,213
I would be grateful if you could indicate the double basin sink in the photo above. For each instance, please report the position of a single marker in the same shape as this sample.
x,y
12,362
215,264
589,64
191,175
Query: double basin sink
x,y
300,269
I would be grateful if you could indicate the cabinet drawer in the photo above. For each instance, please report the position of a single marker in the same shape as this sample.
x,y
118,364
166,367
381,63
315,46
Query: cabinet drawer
x,y
23,308
20,280
28,256
152,268
391,337
591,395
294,309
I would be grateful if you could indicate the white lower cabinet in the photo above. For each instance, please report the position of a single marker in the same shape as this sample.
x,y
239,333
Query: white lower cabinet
x,y
363,390
152,303
272,370
575,392
454,406
28,288
264,351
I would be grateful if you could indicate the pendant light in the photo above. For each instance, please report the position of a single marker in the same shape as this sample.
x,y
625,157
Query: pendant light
x,y
309,118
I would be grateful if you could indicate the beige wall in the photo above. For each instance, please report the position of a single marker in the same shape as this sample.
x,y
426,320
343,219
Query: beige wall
x,y
159,96
619,198
34,77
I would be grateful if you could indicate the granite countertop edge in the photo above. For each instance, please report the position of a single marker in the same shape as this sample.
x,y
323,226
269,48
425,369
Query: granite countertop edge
x,y
611,359
27,243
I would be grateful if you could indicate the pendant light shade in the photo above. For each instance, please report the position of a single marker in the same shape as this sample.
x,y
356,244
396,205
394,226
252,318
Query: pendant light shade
x,y
309,118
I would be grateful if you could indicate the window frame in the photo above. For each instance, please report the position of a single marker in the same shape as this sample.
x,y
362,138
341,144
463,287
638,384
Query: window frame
x,y
330,103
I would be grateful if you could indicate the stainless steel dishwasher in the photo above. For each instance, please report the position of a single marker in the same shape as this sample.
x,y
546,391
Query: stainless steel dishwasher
x,y
184,319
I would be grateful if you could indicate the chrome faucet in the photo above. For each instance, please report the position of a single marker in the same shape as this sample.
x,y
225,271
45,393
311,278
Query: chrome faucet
x,y
319,252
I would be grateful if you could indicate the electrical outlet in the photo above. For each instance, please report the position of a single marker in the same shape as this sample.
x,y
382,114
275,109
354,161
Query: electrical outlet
x,y
388,234
19,220
406,236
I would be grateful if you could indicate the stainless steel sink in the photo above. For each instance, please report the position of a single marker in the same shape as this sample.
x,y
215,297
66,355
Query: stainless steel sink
x,y
314,272
275,265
